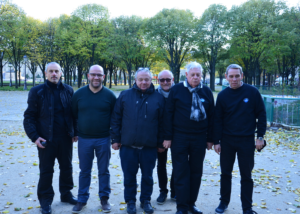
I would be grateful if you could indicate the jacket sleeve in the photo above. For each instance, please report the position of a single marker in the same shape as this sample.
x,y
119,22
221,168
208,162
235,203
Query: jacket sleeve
x,y
210,116
31,116
74,107
218,121
116,120
160,139
168,116
260,113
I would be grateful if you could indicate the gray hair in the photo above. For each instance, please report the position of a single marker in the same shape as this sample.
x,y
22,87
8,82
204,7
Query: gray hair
x,y
52,63
234,66
166,71
192,65
143,70
96,66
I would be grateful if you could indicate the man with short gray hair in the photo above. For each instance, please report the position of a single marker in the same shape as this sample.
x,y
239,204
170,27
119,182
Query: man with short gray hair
x,y
137,130
237,109
188,126
48,122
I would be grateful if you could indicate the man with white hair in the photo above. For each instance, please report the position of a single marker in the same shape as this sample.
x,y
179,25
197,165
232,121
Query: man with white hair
x,y
92,106
137,130
166,81
188,126
48,122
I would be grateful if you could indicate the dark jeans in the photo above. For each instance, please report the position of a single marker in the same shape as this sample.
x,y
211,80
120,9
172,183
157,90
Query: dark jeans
x,y
131,160
244,147
60,148
162,173
188,152
87,147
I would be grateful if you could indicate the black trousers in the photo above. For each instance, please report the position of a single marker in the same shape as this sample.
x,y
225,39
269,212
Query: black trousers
x,y
60,148
244,148
162,173
188,152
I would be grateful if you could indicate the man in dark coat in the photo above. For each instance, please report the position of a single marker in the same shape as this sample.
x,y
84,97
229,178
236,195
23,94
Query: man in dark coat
x,y
188,125
48,122
136,128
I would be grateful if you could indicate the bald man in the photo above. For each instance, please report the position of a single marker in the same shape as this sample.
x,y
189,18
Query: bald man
x,y
92,106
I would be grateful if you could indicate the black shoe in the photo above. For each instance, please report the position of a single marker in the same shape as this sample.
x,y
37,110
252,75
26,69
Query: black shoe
x,y
69,199
195,210
105,205
131,209
162,198
46,209
78,207
181,212
221,208
147,207
249,211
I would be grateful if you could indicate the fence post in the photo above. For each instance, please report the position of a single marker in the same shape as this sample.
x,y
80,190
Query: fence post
x,y
272,110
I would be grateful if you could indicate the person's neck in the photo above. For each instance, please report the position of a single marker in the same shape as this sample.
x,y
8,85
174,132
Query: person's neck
x,y
95,90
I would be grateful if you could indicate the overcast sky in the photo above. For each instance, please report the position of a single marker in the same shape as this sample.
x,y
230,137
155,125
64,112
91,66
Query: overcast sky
x,y
44,9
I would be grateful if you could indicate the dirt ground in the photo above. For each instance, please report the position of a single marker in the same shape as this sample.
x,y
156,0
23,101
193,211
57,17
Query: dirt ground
x,y
276,173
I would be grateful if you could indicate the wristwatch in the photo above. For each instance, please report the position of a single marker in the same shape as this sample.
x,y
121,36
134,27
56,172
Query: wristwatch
x,y
260,138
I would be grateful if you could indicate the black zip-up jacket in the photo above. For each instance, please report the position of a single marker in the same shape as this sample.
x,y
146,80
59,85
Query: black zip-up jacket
x,y
137,119
39,115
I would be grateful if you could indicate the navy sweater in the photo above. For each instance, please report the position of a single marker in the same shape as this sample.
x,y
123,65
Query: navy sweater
x,y
236,113
178,111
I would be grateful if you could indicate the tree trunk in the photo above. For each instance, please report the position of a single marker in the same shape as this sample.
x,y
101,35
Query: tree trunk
x,y
124,73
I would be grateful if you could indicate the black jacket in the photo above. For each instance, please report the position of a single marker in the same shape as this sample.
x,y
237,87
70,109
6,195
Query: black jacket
x,y
39,115
137,119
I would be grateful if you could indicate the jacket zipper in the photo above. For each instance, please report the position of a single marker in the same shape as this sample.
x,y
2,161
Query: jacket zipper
x,y
146,109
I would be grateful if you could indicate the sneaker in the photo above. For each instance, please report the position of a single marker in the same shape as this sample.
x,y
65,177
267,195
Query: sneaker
x,y
131,209
78,207
146,206
221,208
161,198
105,205
249,211
173,198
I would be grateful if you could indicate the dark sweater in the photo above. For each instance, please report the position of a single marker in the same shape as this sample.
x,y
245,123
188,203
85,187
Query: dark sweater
x,y
178,111
93,111
60,126
236,113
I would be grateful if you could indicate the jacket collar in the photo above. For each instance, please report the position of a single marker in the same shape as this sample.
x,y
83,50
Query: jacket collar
x,y
59,84
150,90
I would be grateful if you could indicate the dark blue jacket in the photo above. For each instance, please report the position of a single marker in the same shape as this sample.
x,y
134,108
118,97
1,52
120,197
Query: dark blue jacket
x,y
39,115
137,119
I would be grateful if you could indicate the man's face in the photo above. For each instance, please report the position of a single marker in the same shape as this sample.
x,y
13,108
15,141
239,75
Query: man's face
x,y
234,77
53,73
194,77
96,77
165,81
143,80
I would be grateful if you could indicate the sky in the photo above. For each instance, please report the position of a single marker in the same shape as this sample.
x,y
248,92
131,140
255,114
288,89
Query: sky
x,y
44,9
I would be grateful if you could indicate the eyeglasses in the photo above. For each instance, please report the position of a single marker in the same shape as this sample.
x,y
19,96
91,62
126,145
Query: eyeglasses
x,y
94,75
164,80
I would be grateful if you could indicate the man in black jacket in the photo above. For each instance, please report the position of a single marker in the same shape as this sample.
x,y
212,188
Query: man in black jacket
x,y
237,109
188,125
136,128
48,122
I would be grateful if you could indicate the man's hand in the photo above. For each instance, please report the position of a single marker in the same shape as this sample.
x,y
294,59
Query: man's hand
x,y
167,144
161,150
209,145
75,139
38,142
259,144
217,148
116,146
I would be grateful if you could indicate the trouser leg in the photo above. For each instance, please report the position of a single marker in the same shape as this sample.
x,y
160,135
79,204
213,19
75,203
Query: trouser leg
x,y
130,165
147,158
86,156
162,171
103,154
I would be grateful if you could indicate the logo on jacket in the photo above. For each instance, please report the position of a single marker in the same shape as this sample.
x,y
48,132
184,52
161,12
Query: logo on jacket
x,y
202,100
246,100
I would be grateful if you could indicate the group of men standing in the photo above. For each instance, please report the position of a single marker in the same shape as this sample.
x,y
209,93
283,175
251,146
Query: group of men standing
x,y
143,123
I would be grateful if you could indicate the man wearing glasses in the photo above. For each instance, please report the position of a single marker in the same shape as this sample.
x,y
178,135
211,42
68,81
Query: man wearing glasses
x,y
166,81
92,106
237,109
136,129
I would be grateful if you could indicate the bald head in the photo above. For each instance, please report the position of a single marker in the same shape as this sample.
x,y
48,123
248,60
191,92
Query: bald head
x,y
96,77
96,67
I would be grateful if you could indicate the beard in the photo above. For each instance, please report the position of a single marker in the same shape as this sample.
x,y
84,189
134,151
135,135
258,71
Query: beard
x,y
96,84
